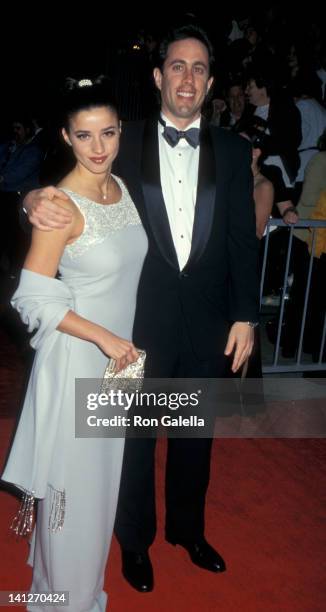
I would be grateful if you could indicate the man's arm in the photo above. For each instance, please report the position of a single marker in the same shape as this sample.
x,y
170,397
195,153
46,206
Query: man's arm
x,y
288,212
285,206
241,341
243,259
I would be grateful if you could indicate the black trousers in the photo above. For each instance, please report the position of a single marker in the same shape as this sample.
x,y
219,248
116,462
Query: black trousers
x,y
187,467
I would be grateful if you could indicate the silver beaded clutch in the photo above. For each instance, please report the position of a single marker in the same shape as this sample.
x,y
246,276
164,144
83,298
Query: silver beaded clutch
x,y
130,378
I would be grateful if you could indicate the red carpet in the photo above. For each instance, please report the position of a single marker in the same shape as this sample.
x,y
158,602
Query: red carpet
x,y
265,514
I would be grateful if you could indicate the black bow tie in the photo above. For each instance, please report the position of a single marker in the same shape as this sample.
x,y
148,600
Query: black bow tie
x,y
172,135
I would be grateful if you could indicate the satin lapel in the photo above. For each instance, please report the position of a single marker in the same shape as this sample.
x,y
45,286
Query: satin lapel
x,y
153,196
206,194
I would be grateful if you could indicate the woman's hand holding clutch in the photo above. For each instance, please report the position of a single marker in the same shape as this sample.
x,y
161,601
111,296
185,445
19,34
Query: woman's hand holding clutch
x,y
122,351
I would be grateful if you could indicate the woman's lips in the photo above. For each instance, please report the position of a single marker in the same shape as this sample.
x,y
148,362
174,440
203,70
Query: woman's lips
x,y
98,160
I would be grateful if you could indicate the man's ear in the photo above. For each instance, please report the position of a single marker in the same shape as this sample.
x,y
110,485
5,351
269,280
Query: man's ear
x,y
157,74
66,137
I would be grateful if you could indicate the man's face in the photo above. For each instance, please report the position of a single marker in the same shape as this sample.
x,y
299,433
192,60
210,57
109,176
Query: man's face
x,y
251,35
256,95
184,82
236,100
20,132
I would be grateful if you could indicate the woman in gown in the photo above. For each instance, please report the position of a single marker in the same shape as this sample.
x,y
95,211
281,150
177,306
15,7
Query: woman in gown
x,y
82,317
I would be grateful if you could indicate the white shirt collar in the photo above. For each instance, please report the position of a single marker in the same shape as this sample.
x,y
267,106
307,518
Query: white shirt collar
x,y
195,123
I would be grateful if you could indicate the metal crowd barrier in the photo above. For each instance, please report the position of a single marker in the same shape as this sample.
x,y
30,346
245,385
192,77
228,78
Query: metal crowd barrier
x,y
299,363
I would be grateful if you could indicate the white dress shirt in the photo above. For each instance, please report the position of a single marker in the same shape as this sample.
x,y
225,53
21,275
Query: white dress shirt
x,y
179,179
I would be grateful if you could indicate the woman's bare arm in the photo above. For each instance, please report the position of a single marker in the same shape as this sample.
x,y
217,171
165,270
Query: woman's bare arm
x,y
43,258
264,197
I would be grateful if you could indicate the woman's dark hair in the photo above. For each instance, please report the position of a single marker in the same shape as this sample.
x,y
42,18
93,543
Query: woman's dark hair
x,y
181,33
258,140
84,95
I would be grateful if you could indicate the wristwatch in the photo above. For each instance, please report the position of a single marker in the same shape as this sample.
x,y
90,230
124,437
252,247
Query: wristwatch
x,y
252,324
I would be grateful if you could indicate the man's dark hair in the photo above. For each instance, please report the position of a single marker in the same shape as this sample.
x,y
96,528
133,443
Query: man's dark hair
x,y
182,33
234,83
262,79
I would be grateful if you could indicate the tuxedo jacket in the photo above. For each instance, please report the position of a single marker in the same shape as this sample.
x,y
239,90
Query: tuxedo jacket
x,y
219,283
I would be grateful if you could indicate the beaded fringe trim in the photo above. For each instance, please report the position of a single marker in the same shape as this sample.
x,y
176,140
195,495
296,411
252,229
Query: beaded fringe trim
x,y
22,524
58,509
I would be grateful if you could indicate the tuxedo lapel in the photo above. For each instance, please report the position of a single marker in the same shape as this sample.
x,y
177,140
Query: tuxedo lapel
x,y
153,196
206,194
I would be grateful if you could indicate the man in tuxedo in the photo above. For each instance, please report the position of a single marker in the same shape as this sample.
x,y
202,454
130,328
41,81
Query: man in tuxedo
x,y
198,293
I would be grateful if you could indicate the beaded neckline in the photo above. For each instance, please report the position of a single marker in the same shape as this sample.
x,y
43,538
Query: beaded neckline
x,y
93,201
122,189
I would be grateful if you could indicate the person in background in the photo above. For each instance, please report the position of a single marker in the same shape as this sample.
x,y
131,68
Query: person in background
x,y
20,163
313,186
264,198
321,73
234,113
278,118
313,121
263,187
20,158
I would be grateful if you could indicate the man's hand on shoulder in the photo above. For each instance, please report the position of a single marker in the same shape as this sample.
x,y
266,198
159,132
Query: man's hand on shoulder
x,y
43,212
241,340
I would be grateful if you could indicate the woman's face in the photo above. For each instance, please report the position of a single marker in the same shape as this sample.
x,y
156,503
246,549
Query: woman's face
x,y
94,137
256,153
251,35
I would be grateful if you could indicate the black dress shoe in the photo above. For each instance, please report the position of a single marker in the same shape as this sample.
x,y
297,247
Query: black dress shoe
x,y
137,570
202,554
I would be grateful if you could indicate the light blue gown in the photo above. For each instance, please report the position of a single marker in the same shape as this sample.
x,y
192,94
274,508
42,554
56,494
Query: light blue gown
x,y
99,275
